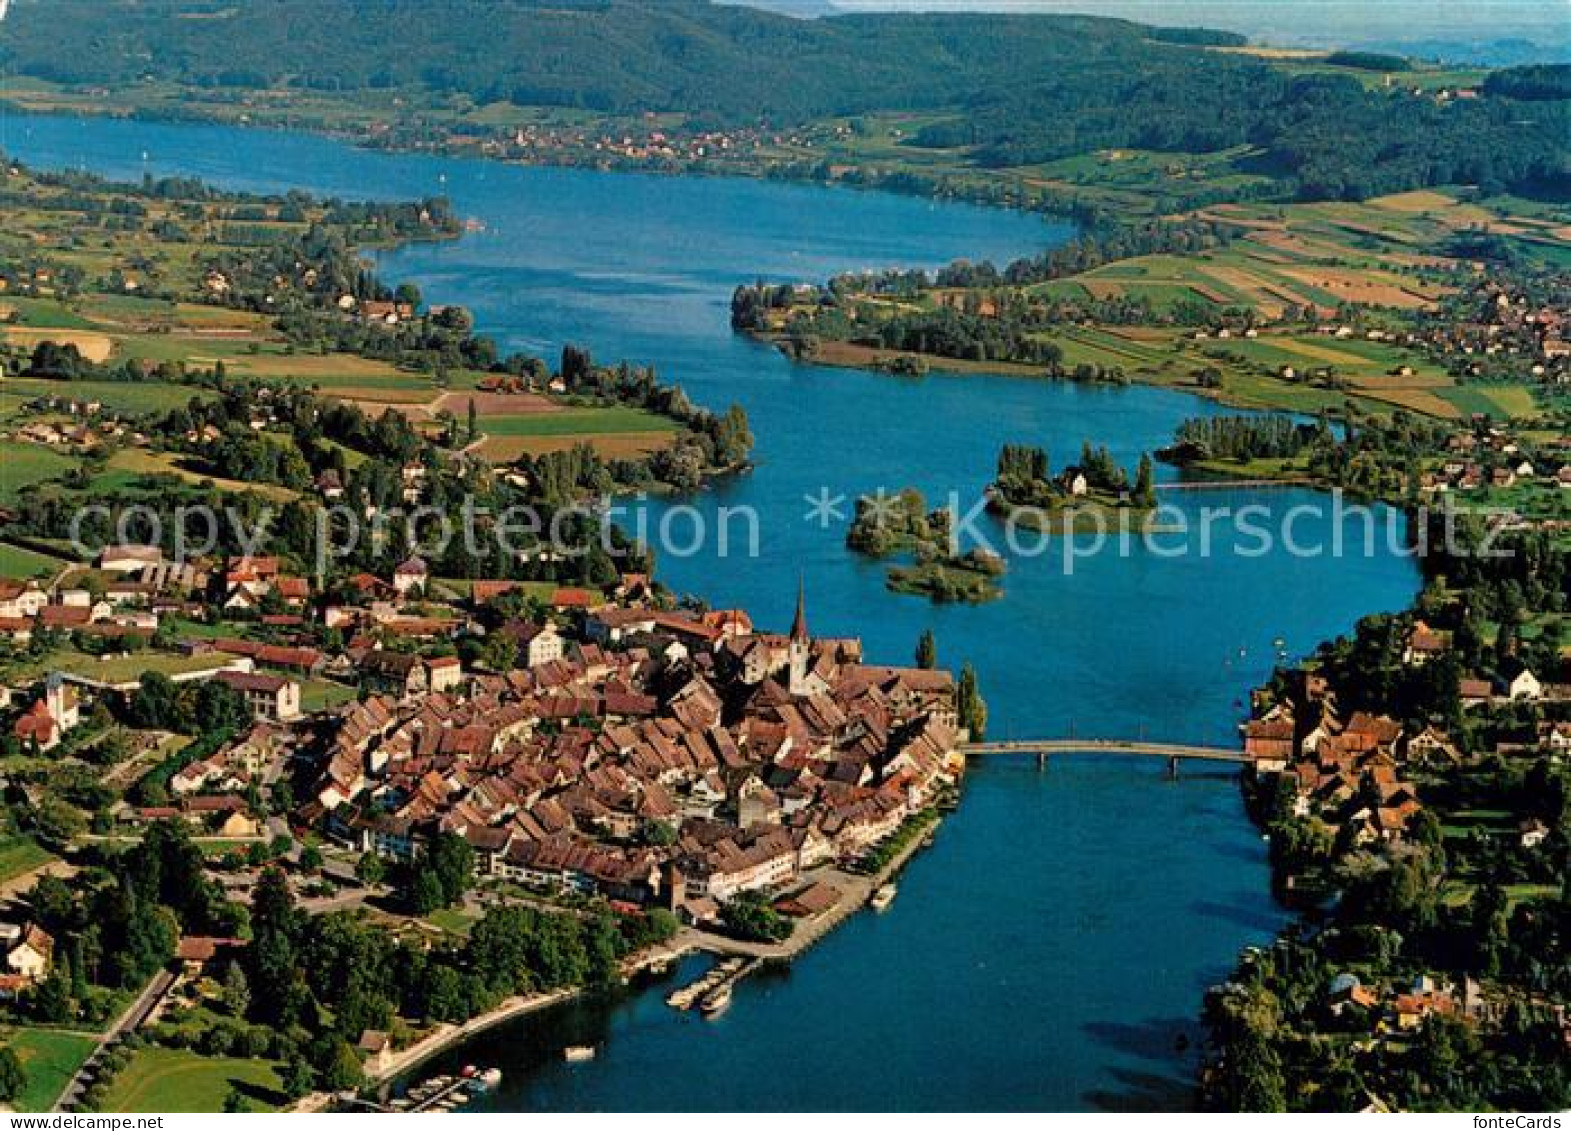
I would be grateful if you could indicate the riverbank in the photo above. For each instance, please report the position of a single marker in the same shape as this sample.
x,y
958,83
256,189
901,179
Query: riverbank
x,y
856,892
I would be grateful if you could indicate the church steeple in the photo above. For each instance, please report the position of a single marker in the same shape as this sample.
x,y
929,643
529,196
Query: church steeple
x,y
799,625
797,651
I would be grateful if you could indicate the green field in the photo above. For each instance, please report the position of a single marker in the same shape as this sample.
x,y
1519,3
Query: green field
x,y
615,431
23,465
1493,400
17,561
125,668
577,422
20,855
177,1080
118,396
319,694
49,1060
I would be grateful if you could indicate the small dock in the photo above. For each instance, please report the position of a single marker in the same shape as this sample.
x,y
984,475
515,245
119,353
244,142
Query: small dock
x,y
714,986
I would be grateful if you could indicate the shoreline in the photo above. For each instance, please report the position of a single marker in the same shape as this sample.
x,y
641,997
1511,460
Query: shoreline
x,y
780,172
446,1037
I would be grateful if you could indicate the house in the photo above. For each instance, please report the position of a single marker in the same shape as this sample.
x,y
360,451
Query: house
x,y
21,599
271,698
1475,692
444,672
1524,686
1424,644
376,1050
1533,833
398,672
1074,482
129,559
1422,1001
539,644
31,955
409,575
1270,742
1346,990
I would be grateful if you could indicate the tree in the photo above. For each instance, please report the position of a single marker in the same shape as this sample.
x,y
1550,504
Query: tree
x,y
425,894
341,1071
451,861
1145,483
237,990
57,822
12,1078
156,705
272,956
474,421
927,651
969,706
297,1077
749,916
370,870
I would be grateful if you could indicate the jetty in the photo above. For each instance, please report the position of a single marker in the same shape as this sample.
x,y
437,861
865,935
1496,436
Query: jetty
x,y
714,986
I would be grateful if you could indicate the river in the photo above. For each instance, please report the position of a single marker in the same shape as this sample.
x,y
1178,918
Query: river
x,y
1052,947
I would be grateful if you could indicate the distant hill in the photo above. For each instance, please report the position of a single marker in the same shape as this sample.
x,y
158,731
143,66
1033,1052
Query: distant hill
x,y
1003,90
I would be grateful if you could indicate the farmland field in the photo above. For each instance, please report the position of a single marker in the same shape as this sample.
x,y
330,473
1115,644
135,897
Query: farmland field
x,y
614,432
18,561
49,1059
24,465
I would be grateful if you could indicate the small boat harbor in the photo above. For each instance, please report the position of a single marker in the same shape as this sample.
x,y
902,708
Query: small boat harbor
x,y
711,994
436,1094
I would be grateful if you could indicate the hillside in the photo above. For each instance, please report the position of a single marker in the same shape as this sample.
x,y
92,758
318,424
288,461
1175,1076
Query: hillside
x,y
996,91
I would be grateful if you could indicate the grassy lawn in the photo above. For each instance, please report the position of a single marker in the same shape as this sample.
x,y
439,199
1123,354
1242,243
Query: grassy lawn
x,y
49,1059
127,466
130,397
25,465
452,920
159,1079
125,668
16,561
578,422
19,855
319,694
615,432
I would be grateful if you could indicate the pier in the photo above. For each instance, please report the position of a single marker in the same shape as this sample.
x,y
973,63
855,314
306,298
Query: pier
x,y
715,985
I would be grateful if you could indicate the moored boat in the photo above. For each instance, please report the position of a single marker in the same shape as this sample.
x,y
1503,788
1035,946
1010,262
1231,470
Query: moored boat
x,y
883,897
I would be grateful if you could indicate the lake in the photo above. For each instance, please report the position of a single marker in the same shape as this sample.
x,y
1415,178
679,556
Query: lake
x,y
1052,948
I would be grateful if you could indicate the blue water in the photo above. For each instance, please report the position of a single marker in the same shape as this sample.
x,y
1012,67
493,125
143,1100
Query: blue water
x,y
1051,947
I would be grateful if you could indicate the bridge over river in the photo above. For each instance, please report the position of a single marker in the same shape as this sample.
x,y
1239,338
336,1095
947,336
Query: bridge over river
x,y
1173,752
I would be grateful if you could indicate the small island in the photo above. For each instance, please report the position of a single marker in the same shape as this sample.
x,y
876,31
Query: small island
x,y
1028,492
886,525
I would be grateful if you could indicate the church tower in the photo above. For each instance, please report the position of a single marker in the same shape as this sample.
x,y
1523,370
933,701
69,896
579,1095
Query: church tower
x,y
801,644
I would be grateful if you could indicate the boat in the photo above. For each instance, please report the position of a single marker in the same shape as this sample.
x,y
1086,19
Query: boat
x,y
577,1054
883,897
716,1002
